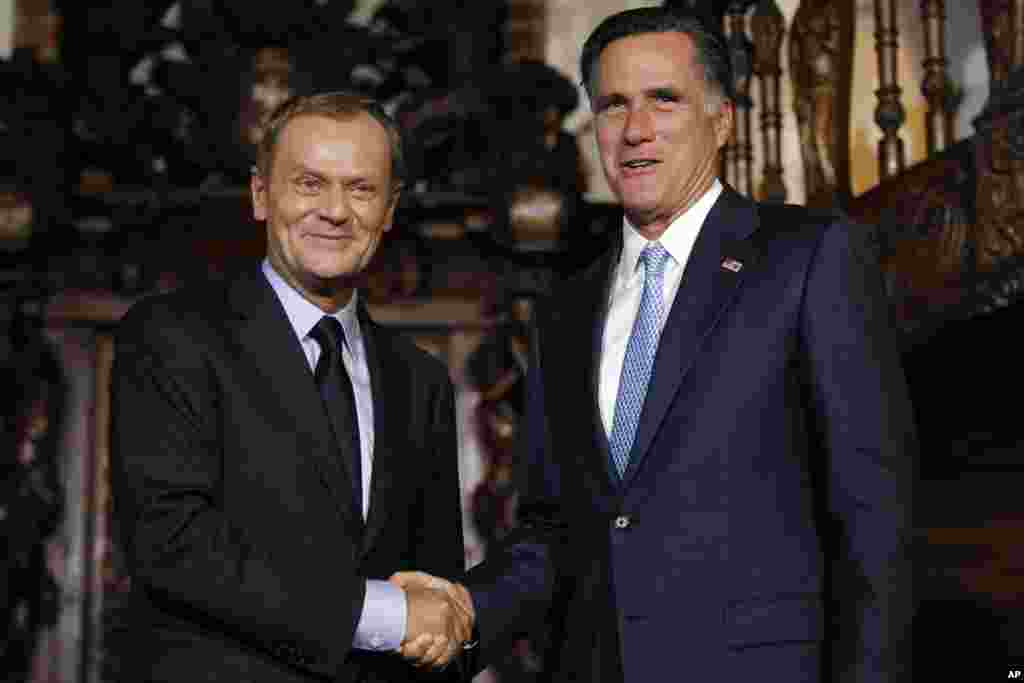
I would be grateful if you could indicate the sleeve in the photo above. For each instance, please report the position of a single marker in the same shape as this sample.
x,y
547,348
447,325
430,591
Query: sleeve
x,y
863,418
382,623
513,588
437,543
437,548
189,554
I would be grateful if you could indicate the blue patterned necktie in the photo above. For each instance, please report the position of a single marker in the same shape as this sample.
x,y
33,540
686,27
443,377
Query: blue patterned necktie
x,y
639,360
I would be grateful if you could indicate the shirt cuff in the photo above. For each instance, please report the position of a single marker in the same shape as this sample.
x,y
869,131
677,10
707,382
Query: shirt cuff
x,y
382,624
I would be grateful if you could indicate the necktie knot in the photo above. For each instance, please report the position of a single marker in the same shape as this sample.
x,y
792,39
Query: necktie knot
x,y
654,257
329,334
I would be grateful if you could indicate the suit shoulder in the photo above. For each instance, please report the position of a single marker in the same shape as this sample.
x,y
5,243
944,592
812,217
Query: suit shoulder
x,y
791,221
177,312
788,218
409,353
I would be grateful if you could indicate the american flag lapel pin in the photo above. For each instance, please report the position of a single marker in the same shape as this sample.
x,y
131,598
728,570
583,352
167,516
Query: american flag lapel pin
x,y
732,265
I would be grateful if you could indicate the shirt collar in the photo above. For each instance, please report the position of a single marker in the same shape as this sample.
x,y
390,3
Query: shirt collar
x,y
678,238
304,315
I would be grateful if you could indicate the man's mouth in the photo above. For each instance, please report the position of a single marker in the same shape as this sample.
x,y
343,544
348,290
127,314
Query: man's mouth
x,y
639,163
332,235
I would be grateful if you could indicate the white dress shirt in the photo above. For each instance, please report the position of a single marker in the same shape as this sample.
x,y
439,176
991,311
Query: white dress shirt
x,y
383,621
628,284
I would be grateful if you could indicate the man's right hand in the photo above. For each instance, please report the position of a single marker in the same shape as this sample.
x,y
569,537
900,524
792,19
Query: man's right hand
x,y
438,623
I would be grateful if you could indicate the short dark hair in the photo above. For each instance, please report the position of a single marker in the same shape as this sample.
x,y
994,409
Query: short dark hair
x,y
340,106
712,51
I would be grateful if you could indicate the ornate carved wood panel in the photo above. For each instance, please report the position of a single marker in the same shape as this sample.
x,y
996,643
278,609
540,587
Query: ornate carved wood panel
x,y
768,27
926,242
525,30
821,64
37,27
999,146
739,150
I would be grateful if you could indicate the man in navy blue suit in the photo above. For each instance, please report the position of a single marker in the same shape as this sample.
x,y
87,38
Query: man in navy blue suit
x,y
718,441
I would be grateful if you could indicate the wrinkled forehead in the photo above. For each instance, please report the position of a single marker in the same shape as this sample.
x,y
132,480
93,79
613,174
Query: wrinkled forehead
x,y
356,138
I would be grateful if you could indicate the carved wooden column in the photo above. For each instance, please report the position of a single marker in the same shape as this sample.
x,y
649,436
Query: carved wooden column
x,y
739,151
936,86
821,70
525,30
999,145
767,26
37,26
730,151
889,114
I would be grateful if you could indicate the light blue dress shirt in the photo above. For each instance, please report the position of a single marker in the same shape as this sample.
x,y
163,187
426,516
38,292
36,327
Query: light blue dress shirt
x,y
383,621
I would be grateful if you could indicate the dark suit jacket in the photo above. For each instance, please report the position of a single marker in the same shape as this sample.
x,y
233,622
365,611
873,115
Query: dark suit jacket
x,y
247,554
759,532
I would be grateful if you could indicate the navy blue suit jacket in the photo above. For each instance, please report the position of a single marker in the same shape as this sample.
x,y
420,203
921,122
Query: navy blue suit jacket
x,y
760,531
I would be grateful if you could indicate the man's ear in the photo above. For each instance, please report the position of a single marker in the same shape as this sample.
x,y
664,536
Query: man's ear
x,y
396,194
391,212
724,122
258,187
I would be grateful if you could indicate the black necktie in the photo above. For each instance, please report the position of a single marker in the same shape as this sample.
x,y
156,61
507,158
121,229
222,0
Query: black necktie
x,y
336,389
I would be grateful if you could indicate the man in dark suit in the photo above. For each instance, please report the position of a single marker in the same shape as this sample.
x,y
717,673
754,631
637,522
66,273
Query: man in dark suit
x,y
717,441
277,454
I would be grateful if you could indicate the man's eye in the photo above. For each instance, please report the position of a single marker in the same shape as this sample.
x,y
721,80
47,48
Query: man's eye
x,y
308,185
363,190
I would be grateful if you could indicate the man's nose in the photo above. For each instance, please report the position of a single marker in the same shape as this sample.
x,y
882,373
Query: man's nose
x,y
334,206
639,126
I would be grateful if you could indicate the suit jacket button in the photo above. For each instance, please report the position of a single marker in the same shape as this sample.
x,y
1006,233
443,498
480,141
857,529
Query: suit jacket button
x,y
622,522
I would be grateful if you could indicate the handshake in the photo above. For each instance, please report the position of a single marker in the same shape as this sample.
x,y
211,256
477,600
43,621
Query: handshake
x,y
439,622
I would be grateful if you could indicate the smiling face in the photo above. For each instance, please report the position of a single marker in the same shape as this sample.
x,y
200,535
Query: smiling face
x,y
659,129
328,197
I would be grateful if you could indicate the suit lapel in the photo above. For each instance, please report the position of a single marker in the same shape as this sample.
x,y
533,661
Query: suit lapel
x,y
570,362
597,311
710,282
389,384
265,333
